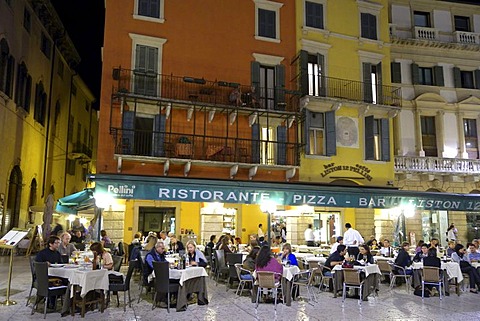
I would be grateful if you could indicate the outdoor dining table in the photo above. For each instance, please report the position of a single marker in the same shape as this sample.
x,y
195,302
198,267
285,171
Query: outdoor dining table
x,y
453,273
372,276
191,280
287,278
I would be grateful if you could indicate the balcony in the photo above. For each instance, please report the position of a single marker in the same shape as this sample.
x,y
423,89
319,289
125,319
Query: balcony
x,y
160,146
355,91
436,165
425,33
188,90
80,150
466,37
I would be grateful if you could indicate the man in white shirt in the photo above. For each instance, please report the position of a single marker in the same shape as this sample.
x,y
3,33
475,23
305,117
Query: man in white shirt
x,y
309,237
260,231
352,239
165,239
386,250
335,245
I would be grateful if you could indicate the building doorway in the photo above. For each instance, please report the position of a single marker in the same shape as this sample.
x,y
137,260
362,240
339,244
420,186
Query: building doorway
x,y
157,219
11,216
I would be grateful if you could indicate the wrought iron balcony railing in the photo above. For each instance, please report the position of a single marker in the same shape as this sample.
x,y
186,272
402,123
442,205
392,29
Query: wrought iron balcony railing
x,y
204,148
201,91
436,165
81,148
354,90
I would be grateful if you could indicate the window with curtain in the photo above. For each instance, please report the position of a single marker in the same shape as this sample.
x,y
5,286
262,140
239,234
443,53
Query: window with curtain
x,y
267,23
149,8
314,15
471,137
429,138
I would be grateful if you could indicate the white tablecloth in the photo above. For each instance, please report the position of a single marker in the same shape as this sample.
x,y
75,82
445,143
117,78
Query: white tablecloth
x,y
318,259
183,275
306,249
452,268
300,255
86,278
383,258
289,272
368,269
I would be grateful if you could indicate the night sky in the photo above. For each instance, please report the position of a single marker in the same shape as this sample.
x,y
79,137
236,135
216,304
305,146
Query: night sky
x,y
84,21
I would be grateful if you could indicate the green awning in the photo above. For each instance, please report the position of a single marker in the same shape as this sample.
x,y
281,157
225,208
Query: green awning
x,y
73,203
250,192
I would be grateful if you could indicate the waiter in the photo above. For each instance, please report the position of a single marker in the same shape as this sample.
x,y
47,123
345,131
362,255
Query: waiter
x,y
352,239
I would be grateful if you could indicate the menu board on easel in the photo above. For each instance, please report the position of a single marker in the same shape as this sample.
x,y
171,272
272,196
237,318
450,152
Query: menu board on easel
x,y
12,238
37,238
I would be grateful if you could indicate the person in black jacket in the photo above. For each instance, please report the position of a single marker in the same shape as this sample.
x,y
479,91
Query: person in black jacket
x,y
403,259
175,245
432,259
364,254
419,256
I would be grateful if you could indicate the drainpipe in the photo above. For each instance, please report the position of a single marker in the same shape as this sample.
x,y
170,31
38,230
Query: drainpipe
x,y
47,134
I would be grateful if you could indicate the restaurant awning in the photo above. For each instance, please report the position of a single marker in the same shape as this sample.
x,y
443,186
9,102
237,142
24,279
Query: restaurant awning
x,y
250,192
73,203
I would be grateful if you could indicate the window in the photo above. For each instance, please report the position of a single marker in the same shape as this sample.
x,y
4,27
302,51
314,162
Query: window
x,y
40,104
430,76
368,26
396,72
46,46
429,138
146,70
267,150
377,139
462,23
152,10
267,87
320,135
313,14
471,137
466,78
60,68
27,20
315,75
23,90
143,134
269,82
372,83
421,19
266,23
267,20
7,69
74,90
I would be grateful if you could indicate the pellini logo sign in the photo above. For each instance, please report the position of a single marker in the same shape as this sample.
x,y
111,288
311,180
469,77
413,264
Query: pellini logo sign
x,y
123,191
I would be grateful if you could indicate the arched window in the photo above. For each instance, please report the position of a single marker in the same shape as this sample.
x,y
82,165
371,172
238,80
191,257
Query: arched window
x,y
40,103
7,66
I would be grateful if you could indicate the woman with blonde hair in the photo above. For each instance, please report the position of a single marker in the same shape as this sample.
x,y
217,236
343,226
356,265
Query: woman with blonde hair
x,y
195,256
152,240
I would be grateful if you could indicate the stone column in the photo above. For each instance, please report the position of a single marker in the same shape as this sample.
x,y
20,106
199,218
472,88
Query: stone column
x,y
418,134
440,132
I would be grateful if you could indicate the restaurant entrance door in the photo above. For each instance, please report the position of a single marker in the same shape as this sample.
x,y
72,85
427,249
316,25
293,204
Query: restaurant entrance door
x,y
156,219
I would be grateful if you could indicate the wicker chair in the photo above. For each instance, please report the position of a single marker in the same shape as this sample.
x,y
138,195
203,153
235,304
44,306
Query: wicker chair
x,y
351,279
267,283
431,275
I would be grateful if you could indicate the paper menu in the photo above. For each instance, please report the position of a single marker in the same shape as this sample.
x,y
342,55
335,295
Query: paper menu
x,y
13,237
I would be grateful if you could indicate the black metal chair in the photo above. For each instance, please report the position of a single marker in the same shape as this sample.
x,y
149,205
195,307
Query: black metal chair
x,y
123,287
220,265
44,291
117,262
34,277
231,260
162,282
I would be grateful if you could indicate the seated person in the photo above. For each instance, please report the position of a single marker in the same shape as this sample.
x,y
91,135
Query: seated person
x,y
364,255
175,245
249,262
66,248
461,257
137,239
156,254
266,262
236,97
451,248
386,250
373,244
431,259
106,257
473,255
419,246
195,256
287,257
106,241
50,254
434,243
403,259
211,244
336,244
419,256
335,258
77,237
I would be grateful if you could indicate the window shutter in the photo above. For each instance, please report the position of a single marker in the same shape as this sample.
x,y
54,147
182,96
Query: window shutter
x,y
367,83
396,70
140,69
10,73
28,93
457,77
415,74
159,136
321,81
128,132
256,143
255,74
438,74
280,87
476,75
330,134
364,25
385,132
304,72
281,145
369,138
379,84
151,68
306,133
